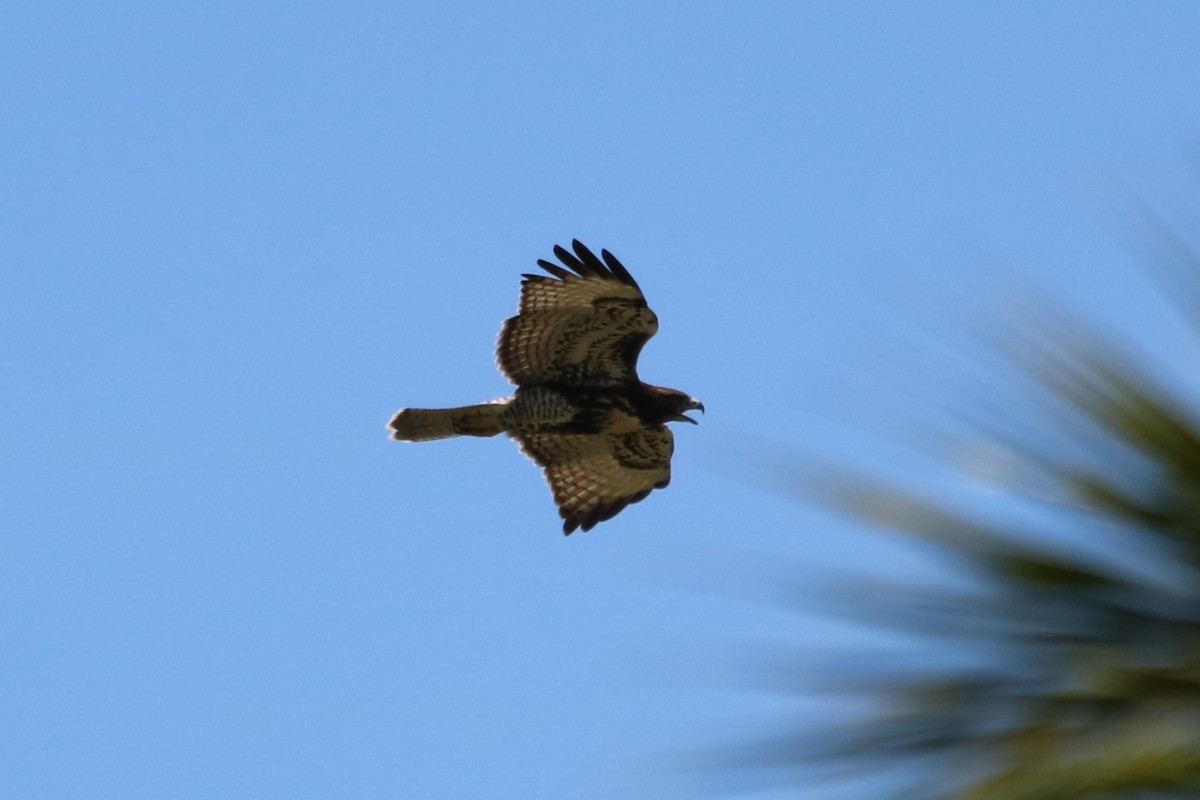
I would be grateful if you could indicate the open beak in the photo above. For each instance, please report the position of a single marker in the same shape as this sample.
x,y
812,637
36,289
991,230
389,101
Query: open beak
x,y
693,405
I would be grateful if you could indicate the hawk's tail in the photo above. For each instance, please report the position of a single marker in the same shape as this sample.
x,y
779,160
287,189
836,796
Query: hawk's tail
x,y
422,424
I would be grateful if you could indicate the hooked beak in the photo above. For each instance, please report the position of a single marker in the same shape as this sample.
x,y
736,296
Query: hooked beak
x,y
693,404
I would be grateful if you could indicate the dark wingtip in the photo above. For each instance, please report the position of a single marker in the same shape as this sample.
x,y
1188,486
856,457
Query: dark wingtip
x,y
618,269
569,260
553,269
586,264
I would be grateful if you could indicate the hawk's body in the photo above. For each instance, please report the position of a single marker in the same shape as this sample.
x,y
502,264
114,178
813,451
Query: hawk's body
x,y
579,410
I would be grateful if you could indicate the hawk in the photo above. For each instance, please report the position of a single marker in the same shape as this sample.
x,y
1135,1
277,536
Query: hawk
x,y
579,410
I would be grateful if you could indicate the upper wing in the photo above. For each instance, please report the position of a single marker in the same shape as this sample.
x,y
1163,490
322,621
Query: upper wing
x,y
595,475
580,328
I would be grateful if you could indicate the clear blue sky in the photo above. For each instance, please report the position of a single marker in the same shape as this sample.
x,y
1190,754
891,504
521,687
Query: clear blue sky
x,y
236,237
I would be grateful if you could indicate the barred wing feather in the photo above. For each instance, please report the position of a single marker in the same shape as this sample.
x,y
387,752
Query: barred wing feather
x,y
594,476
584,326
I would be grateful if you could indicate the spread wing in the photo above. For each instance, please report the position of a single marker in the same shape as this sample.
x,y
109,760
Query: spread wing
x,y
585,326
595,475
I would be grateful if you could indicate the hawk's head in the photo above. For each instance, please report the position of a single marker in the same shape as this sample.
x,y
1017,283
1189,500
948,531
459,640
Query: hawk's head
x,y
672,403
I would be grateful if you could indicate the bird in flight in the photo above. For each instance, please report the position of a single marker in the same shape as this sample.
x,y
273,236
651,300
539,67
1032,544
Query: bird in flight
x,y
580,411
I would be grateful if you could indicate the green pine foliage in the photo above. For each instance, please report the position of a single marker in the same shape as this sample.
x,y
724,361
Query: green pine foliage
x,y
1057,669
1095,687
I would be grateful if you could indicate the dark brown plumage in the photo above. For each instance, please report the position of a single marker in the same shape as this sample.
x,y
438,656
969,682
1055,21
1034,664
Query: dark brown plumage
x,y
580,411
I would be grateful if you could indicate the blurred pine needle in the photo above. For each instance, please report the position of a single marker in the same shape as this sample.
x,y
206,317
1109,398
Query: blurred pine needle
x,y
1085,675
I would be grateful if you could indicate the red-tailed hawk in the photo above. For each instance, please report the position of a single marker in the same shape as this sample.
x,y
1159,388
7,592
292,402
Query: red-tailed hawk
x,y
579,410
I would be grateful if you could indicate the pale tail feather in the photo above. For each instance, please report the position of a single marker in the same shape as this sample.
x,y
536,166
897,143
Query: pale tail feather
x,y
423,424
